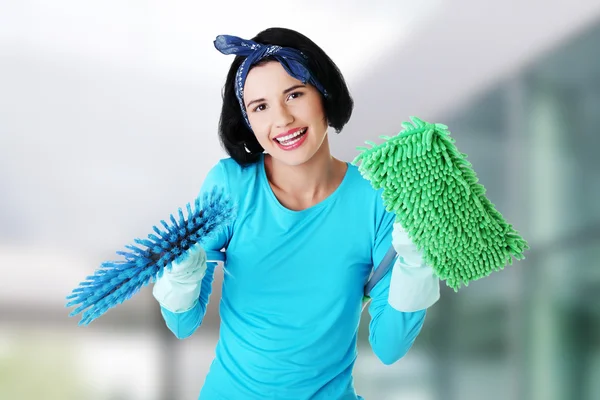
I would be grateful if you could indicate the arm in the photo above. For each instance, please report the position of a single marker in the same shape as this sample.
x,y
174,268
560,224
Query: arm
x,y
399,300
183,291
391,332
185,314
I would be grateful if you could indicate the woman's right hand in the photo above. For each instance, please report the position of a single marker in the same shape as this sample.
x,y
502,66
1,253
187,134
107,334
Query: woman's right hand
x,y
190,265
178,288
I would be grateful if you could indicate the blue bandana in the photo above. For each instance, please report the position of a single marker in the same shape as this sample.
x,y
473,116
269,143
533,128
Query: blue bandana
x,y
293,61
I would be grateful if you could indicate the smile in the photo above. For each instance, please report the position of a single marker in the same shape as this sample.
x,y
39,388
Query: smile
x,y
292,138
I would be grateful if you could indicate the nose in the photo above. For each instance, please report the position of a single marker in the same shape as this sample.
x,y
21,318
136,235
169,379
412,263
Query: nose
x,y
283,116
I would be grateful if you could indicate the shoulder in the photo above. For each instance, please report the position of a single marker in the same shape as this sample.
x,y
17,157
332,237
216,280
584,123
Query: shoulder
x,y
362,187
228,168
230,175
368,198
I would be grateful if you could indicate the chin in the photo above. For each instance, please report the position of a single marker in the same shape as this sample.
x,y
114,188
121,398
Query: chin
x,y
292,160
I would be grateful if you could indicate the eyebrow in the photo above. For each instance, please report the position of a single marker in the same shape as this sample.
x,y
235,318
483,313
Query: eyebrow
x,y
286,91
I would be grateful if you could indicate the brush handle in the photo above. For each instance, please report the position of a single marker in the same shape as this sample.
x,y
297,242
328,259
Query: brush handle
x,y
211,256
384,266
215,256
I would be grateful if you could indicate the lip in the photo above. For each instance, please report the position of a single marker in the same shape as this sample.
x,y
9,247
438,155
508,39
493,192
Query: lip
x,y
295,145
289,132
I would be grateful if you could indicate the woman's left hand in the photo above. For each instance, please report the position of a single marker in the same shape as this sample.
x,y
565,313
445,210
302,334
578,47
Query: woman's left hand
x,y
414,285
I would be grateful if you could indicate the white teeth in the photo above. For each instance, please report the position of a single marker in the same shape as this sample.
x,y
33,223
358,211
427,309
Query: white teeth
x,y
291,142
290,137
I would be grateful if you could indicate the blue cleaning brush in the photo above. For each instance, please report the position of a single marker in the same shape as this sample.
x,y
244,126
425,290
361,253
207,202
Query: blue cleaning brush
x,y
116,281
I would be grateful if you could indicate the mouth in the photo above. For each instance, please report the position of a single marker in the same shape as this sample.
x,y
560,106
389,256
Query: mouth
x,y
291,140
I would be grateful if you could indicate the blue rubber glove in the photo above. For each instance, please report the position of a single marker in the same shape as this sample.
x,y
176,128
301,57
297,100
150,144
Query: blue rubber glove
x,y
178,288
414,285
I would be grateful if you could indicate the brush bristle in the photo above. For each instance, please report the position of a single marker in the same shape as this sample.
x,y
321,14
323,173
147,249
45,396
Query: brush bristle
x,y
116,281
433,191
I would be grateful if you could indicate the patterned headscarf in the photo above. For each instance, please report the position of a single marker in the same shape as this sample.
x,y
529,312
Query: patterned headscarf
x,y
293,61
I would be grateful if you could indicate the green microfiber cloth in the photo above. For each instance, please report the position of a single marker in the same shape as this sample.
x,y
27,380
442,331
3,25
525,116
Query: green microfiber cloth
x,y
433,191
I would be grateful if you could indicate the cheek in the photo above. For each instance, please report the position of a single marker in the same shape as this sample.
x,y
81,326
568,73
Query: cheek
x,y
317,119
262,137
260,133
314,112
258,127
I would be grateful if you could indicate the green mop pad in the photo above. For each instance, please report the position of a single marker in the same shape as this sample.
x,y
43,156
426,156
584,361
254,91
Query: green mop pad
x,y
433,191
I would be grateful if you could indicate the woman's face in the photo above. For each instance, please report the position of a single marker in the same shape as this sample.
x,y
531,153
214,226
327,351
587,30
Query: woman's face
x,y
287,117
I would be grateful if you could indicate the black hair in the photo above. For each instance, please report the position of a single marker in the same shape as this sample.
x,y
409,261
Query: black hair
x,y
235,136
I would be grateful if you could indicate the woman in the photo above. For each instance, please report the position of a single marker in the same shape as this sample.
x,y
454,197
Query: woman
x,y
308,231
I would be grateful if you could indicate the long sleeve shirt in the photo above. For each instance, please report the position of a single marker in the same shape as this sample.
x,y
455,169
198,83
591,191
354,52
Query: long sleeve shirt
x,y
292,292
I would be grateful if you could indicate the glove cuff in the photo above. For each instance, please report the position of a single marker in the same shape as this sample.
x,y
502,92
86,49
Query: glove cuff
x,y
413,289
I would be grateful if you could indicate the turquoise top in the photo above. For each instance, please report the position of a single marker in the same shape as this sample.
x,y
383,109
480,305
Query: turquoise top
x,y
293,289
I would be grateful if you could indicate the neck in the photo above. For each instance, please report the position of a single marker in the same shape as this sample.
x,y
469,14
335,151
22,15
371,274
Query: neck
x,y
309,182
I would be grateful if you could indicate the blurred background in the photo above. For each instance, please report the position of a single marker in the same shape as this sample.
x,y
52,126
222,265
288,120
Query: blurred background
x,y
108,123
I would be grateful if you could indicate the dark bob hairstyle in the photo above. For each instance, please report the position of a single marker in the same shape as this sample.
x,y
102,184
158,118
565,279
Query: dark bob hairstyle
x,y
235,136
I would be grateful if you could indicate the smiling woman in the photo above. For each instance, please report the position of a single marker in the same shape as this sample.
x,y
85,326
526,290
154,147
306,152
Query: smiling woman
x,y
308,70
285,114
309,231
289,123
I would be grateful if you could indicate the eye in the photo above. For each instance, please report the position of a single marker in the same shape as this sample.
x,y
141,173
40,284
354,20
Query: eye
x,y
260,107
295,95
